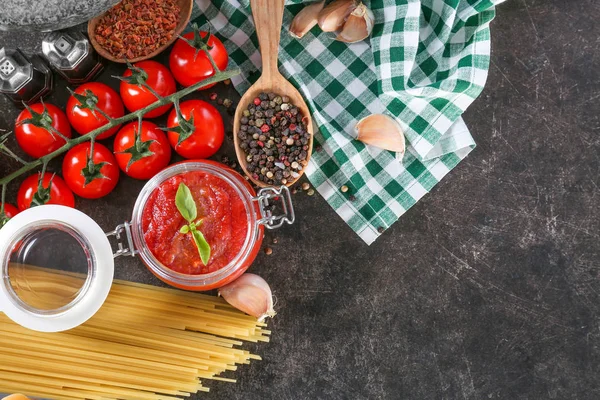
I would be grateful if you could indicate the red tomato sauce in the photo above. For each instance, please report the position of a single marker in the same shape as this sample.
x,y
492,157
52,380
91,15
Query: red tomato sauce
x,y
224,223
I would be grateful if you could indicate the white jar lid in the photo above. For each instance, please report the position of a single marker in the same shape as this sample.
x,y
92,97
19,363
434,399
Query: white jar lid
x,y
56,268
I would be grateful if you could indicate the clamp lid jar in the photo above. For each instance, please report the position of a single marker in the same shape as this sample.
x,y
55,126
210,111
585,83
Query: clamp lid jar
x,y
231,215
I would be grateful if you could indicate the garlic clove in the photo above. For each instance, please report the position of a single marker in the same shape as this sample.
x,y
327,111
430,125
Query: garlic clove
x,y
332,17
251,294
358,26
306,19
381,131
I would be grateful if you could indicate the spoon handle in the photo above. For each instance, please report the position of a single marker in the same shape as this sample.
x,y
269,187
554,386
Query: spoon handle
x,y
268,19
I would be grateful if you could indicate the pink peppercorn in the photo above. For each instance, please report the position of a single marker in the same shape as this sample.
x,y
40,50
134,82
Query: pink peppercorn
x,y
265,128
257,101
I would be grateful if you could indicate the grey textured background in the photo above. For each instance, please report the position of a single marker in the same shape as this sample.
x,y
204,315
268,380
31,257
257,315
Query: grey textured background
x,y
45,15
488,288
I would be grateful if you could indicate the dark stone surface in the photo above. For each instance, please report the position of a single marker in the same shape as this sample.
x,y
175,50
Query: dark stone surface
x,y
488,288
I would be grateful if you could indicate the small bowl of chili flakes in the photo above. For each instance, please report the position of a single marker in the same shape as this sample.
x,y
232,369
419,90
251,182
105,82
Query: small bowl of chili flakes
x,y
136,30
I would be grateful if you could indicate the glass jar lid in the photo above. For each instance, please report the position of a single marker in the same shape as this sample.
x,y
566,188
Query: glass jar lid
x,y
56,268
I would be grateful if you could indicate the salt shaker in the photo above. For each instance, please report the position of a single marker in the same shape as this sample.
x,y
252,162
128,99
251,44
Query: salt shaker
x,y
23,79
72,56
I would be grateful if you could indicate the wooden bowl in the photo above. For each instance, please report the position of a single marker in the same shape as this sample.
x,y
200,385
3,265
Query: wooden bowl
x,y
186,12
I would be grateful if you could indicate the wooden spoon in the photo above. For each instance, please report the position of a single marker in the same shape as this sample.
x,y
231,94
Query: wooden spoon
x,y
268,19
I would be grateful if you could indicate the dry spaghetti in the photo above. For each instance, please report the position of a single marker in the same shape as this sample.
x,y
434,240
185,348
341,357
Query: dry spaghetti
x,y
145,343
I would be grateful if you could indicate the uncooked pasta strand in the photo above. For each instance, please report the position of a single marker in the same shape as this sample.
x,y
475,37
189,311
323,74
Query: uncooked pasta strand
x,y
145,343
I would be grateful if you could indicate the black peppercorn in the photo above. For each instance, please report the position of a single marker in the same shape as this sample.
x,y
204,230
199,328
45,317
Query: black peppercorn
x,y
275,152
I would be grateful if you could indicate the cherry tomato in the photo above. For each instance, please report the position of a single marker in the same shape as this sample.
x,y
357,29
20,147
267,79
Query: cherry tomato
x,y
209,133
38,142
101,180
10,210
188,67
82,119
132,151
136,96
59,192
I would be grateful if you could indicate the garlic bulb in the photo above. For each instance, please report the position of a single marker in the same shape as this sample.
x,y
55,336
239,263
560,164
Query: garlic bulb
x,y
251,294
306,19
332,17
358,26
381,131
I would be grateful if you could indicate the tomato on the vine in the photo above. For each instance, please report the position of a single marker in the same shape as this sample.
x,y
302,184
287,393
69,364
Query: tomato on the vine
x,y
56,192
81,116
141,156
190,65
40,141
10,210
90,181
208,130
136,96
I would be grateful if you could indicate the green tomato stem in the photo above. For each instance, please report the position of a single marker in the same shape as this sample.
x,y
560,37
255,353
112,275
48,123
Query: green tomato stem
x,y
28,166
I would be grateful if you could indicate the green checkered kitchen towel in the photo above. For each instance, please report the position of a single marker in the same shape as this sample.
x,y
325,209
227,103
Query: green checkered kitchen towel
x,y
425,63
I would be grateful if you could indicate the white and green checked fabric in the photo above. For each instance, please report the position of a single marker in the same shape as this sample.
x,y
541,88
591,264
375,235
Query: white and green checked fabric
x,y
425,63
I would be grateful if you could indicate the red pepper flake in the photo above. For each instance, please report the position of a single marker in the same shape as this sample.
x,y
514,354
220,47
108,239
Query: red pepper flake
x,y
136,28
261,144
257,101
213,96
265,128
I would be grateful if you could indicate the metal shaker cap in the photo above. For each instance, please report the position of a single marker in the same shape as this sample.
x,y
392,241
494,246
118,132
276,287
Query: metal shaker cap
x,y
65,50
15,70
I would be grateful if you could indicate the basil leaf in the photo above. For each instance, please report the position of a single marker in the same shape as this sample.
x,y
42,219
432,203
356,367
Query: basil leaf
x,y
184,229
203,246
185,203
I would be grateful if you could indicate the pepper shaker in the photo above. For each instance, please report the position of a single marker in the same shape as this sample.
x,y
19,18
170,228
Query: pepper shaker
x,y
71,55
23,79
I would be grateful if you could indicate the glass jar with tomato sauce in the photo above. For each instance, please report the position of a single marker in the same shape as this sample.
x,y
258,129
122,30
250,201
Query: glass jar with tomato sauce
x,y
232,215
56,264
